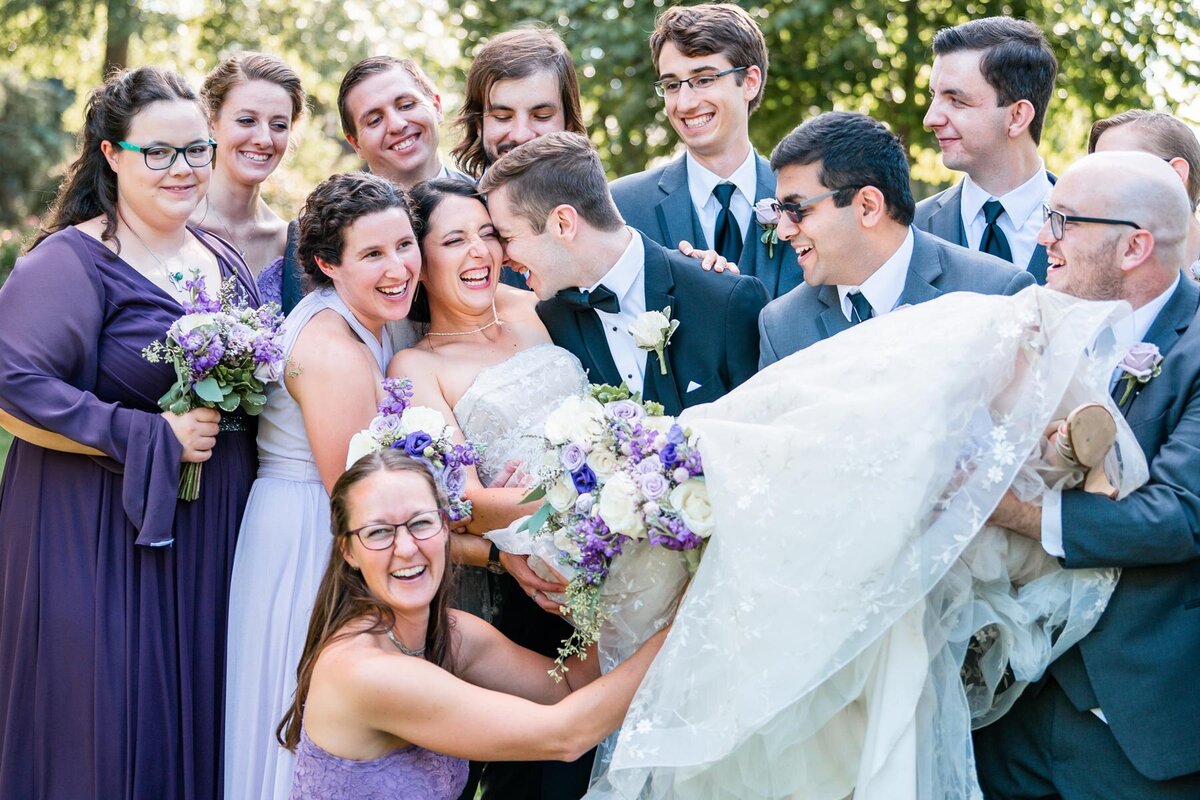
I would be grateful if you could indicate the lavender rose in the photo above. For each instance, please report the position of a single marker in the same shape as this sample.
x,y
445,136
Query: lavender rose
x,y
625,409
572,457
653,485
1142,361
765,213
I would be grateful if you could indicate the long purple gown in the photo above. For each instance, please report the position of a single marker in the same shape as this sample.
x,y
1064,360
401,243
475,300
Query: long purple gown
x,y
113,595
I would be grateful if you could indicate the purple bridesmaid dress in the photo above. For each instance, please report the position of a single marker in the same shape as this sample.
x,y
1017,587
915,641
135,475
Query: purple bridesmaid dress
x,y
113,595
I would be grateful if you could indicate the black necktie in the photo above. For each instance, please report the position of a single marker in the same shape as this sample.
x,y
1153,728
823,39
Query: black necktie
x,y
994,241
862,307
727,234
601,299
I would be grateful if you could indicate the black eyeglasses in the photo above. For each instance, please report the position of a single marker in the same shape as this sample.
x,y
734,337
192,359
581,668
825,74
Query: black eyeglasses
x,y
697,83
162,156
382,535
1059,220
798,211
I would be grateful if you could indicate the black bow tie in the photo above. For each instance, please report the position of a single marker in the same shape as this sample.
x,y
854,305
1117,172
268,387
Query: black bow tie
x,y
602,299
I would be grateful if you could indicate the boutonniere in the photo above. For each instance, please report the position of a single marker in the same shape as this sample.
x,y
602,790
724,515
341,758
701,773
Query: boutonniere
x,y
768,218
1142,363
652,330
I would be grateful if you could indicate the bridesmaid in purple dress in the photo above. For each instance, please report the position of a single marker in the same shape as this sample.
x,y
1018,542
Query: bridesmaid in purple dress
x,y
395,690
112,593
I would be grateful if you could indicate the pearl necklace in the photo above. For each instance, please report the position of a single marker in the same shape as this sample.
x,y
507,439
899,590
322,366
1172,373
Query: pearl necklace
x,y
420,651
495,322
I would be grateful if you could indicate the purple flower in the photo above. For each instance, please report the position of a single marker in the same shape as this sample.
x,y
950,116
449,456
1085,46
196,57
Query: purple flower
x,y
653,485
455,481
572,457
669,456
1142,361
416,442
675,435
625,410
584,479
765,213
398,393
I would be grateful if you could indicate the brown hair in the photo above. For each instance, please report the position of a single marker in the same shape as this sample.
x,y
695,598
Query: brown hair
x,y
344,598
249,66
513,55
1164,136
715,28
336,204
553,170
90,186
373,66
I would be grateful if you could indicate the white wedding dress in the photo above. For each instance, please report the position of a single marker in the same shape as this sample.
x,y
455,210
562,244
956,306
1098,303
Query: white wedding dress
x,y
825,647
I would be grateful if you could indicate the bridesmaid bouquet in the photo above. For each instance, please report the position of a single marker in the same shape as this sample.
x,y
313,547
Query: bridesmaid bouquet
x,y
618,475
224,354
422,433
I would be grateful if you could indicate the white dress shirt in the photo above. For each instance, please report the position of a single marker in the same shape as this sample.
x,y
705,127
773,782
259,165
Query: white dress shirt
x,y
1022,217
886,284
625,280
701,183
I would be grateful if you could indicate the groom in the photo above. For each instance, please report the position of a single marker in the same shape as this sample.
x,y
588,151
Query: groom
x,y
601,282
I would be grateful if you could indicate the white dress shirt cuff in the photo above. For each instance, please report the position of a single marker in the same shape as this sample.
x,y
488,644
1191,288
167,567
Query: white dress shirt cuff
x,y
1052,535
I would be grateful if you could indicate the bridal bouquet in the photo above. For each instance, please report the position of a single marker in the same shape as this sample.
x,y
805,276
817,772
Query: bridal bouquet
x,y
422,433
618,476
224,354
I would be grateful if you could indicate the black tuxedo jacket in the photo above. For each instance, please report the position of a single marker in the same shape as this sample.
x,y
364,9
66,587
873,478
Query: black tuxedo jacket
x,y
714,349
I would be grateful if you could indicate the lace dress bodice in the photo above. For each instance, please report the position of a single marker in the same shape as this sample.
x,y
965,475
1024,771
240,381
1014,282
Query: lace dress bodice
x,y
506,407
407,772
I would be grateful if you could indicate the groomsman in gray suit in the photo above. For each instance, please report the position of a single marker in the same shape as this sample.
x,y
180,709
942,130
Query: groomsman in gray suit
x,y
992,80
1119,714
846,212
712,66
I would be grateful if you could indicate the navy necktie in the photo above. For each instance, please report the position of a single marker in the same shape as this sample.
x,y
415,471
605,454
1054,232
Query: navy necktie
x,y
601,299
727,234
862,307
994,241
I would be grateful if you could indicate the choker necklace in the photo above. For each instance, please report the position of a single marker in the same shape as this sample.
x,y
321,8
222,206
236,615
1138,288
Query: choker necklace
x,y
420,651
209,207
496,321
175,278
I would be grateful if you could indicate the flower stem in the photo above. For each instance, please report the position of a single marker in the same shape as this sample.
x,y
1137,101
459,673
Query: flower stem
x,y
189,481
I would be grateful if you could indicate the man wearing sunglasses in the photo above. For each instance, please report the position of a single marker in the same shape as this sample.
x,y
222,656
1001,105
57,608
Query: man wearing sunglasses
x,y
711,62
1117,714
992,80
846,211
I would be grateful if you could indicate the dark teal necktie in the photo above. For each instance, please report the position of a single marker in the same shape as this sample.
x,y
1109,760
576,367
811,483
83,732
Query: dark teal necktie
x,y
994,241
727,234
862,307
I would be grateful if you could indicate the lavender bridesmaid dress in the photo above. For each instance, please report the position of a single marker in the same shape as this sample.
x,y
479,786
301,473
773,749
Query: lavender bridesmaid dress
x,y
407,772
113,596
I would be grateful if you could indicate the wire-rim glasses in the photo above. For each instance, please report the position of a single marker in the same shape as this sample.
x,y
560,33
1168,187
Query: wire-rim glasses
x,y
697,83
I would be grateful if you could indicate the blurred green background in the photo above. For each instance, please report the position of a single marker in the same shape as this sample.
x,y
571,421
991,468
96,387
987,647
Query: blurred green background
x,y
861,55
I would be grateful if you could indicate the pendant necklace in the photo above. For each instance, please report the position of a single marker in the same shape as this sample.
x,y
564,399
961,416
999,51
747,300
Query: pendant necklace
x,y
208,206
419,652
174,277
496,321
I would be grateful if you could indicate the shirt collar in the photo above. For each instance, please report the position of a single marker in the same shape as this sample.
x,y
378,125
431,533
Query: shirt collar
x,y
886,284
1133,329
1019,204
702,181
624,275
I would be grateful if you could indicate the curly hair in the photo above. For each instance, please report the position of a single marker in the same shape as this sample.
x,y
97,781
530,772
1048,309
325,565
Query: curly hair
x,y
335,205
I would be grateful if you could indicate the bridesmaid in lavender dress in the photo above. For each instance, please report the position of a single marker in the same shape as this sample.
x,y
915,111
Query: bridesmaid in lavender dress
x,y
113,594
396,690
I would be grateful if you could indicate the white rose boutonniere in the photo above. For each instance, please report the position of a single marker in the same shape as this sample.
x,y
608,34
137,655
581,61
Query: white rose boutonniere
x,y
767,218
652,331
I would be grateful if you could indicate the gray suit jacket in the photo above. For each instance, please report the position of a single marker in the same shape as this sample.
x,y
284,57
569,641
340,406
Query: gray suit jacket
x,y
809,314
658,204
941,215
1139,664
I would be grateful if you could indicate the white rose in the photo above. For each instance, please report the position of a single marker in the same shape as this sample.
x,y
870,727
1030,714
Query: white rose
x,y
578,419
562,494
190,322
564,542
269,372
660,424
603,462
361,444
422,418
619,506
691,500
649,329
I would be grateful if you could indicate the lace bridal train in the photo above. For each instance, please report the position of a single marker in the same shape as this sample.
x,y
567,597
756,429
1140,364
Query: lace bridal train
x,y
822,648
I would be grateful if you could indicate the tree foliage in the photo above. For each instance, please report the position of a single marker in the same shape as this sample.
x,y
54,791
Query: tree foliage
x,y
34,145
871,56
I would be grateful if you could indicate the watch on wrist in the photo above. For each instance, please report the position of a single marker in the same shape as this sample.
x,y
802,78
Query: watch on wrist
x,y
493,562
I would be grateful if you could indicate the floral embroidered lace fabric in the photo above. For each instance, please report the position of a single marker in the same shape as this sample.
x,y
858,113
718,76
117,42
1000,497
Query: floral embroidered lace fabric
x,y
408,772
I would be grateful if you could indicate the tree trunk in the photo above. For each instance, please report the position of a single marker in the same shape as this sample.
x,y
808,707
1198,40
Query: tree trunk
x,y
122,21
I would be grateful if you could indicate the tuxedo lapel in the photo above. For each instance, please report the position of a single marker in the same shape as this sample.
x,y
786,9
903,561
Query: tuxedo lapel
x,y
676,216
946,222
660,284
831,321
1168,327
581,334
1038,265
924,268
